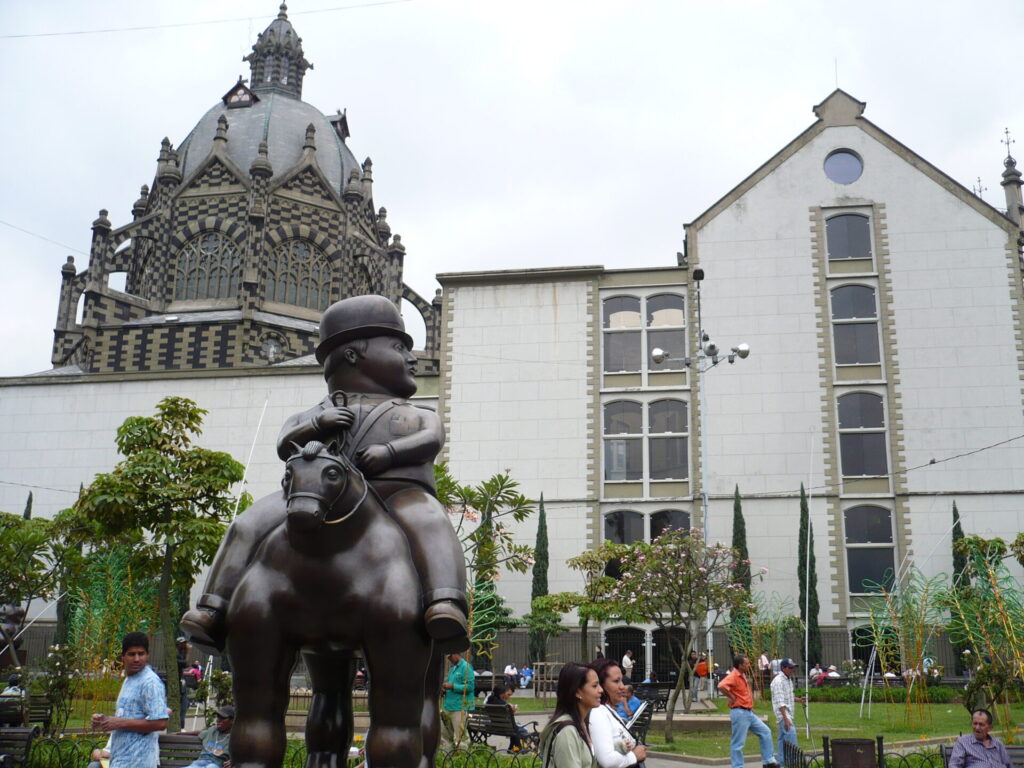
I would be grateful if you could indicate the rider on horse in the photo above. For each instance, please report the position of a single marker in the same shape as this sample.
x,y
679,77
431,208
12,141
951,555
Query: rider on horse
x,y
367,360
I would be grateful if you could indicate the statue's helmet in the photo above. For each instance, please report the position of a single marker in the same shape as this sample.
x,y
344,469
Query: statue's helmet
x,y
359,317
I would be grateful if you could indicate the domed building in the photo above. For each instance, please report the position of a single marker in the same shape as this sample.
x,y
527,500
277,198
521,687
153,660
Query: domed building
x,y
252,226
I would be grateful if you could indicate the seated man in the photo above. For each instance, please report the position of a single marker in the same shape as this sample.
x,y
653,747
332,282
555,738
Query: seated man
x,y
525,675
979,748
216,740
629,706
499,698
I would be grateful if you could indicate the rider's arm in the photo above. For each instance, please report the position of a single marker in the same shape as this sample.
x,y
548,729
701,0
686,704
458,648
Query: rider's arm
x,y
421,446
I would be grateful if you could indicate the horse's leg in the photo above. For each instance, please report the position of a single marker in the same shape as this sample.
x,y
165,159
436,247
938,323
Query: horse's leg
x,y
262,665
430,722
398,659
329,724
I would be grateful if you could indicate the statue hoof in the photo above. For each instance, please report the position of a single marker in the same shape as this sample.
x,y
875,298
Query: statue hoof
x,y
205,628
446,624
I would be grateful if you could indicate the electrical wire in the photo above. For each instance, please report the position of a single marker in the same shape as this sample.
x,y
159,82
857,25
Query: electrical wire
x,y
42,237
182,24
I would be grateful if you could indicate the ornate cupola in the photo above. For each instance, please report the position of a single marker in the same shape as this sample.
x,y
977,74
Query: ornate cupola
x,y
276,62
252,226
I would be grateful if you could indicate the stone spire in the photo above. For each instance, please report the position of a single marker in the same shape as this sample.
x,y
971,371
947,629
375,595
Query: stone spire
x,y
1012,184
276,62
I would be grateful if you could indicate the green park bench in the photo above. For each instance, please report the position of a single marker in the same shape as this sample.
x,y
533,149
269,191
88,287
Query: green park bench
x,y
15,745
498,720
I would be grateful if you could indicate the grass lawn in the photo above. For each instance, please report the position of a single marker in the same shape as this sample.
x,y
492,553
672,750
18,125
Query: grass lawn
x,y
834,720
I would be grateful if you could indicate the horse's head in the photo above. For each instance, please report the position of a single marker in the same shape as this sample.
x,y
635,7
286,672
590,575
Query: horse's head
x,y
316,478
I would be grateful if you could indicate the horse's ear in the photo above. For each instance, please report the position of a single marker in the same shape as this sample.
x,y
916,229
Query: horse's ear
x,y
334,447
296,448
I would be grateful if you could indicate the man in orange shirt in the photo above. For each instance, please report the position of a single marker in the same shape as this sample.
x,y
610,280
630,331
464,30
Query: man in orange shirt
x,y
741,705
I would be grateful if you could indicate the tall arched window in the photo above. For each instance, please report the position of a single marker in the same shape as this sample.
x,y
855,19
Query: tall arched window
x,y
623,446
848,237
870,558
298,273
862,435
209,267
854,325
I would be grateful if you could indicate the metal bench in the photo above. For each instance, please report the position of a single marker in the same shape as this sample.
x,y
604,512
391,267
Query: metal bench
x,y
498,720
12,711
15,745
642,724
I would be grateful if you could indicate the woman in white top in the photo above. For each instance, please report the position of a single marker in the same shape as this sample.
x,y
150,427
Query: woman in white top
x,y
613,746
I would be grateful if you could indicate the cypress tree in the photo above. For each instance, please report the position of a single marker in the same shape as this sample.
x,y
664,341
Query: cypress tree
x,y
961,578
28,507
538,640
741,572
808,578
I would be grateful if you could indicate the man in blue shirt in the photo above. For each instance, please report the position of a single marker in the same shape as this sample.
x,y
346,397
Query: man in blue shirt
x,y
141,709
980,747
628,707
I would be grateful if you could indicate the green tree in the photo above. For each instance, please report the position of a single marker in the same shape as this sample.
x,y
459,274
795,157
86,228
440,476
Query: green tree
x,y
807,577
167,500
595,602
483,515
679,581
27,514
961,578
539,624
741,570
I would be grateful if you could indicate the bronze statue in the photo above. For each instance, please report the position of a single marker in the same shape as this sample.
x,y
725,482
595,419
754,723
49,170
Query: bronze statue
x,y
355,551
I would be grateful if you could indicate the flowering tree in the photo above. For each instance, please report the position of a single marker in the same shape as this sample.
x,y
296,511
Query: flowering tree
x,y
482,515
679,581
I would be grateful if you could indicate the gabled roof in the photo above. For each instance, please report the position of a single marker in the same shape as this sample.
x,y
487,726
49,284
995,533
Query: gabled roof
x,y
839,109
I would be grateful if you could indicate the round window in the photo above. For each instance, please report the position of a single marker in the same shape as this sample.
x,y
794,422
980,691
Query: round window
x,y
844,166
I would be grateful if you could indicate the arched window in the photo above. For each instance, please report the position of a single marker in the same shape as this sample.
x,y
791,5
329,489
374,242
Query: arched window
x,y
623,445
209,267
862,435
666,519
622,334
870,558
667,442
298,273
627,320
623,527
854,325
848,236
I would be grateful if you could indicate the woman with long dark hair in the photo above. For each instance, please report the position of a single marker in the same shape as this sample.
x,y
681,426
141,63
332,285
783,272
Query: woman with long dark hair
x,y
565,740
612,744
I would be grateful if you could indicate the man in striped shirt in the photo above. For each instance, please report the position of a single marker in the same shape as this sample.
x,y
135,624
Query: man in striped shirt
x,y
979,748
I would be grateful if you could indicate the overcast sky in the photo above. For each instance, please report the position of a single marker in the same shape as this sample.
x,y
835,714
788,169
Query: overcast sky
x,y
503,134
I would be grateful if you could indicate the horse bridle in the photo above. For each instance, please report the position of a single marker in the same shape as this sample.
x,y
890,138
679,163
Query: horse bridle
x,y
346,468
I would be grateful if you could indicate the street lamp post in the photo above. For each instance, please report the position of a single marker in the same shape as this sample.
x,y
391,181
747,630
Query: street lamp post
x,y
708,356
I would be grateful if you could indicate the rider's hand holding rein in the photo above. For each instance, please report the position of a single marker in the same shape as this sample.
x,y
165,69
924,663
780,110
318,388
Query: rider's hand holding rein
x,y
332,420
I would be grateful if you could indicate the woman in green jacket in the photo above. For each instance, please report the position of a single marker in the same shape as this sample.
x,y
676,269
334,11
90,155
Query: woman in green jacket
x,y
459,694
565,741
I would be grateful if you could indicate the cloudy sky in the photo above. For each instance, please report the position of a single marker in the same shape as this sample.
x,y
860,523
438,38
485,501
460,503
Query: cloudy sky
x,y
503,134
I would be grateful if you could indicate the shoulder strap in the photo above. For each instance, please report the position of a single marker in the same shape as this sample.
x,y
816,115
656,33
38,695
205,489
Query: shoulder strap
x,y
554,735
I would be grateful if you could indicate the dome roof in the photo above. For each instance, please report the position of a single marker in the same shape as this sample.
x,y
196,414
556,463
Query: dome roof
x,y
280,121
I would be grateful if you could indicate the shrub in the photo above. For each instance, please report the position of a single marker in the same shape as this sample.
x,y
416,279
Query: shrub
x,y
942,694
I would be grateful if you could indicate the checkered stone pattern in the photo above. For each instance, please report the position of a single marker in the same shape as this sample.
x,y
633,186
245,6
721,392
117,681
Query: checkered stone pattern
x,y
166,348
294,344
215,176
230,206
306,182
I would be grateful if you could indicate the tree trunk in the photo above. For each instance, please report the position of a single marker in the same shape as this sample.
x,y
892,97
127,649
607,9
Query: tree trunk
x,y
584,641
674,698
168,629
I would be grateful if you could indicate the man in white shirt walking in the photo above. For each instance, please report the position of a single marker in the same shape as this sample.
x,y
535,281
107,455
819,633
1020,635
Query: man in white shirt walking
x,y
627,667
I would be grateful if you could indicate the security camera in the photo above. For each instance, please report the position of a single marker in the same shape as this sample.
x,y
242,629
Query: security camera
x,y
711,349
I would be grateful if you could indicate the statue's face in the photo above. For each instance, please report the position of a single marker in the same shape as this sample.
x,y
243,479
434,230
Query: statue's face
x,y
391,365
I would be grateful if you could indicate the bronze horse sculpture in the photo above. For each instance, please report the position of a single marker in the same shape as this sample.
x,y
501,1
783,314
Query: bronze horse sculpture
x,y
337,575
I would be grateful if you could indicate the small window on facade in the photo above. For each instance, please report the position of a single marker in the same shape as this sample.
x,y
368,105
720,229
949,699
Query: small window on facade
x,y
844,166
622,312
665,309
862,439
848,236
870,556
854,329
668,518
623,527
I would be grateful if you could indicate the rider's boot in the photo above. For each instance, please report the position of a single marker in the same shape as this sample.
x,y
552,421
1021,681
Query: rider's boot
x,y
205,627
447,625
